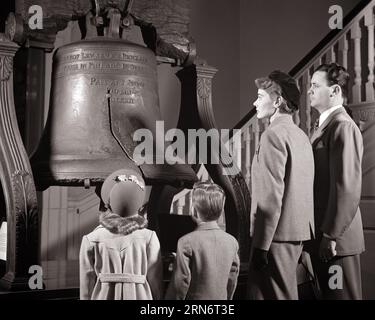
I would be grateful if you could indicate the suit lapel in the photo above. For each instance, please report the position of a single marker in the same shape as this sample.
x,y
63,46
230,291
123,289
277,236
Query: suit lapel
x,y
318,133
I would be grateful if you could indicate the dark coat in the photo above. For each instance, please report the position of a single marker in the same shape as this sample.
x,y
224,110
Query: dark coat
x,y
338,150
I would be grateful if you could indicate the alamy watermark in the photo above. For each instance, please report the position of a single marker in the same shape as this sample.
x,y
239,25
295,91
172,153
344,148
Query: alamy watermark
x,y
36,19
200,146
336,280
336,20
36,280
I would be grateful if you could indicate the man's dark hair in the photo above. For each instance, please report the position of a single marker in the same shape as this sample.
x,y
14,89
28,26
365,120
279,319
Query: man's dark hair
x,y
336,74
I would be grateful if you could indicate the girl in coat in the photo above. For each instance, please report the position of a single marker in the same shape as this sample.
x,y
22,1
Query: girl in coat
x,y
120,259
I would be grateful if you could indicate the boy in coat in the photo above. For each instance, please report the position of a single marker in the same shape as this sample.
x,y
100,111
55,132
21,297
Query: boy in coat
x,y
207,261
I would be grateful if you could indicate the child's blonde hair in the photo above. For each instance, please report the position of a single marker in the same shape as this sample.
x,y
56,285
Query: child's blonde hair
x,y
208,199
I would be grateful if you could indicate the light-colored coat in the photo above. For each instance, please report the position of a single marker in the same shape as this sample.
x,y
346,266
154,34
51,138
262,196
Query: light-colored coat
x,y
120,267
338,150
207,265
282,185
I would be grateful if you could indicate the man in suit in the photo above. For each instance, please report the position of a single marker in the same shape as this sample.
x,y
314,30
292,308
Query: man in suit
x,y
282,213
338,148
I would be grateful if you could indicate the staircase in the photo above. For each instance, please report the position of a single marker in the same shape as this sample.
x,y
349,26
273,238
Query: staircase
x,y
353,48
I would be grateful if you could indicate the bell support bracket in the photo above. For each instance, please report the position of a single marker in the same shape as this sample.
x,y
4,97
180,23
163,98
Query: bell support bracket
x,y
17,183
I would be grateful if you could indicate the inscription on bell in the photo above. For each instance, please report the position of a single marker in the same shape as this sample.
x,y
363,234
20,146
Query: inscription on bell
x,y
103,67
105,55
124,100
126,73
124,91
116,82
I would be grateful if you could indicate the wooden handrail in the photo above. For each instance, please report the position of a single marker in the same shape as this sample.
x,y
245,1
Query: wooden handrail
x,y
328,38
243,121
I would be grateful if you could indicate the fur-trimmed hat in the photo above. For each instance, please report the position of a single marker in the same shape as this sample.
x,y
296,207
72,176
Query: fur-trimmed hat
x,y
123,192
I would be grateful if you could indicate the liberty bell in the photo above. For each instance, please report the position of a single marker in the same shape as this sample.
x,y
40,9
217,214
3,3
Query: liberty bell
x,y
103,90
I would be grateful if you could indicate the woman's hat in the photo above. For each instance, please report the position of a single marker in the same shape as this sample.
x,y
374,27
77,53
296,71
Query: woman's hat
x,y
123,191
289,88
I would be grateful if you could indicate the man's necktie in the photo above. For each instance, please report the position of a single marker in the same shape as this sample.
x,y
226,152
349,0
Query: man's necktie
x,y
316,125
314,128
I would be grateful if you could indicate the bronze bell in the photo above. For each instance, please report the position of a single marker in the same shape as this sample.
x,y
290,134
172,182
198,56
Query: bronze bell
x,y
103,89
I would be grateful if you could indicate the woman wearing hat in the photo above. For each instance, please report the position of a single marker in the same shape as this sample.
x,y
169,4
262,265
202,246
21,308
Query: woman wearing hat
x,y
282,192
120,259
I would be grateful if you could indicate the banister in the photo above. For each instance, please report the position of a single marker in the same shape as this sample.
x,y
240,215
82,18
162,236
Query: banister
x,y
243,121
331,37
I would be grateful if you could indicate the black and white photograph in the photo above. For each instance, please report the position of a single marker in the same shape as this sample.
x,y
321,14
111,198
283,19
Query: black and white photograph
x,y
209,151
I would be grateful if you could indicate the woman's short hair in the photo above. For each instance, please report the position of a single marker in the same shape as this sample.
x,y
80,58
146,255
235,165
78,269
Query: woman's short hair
x,y
208,199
